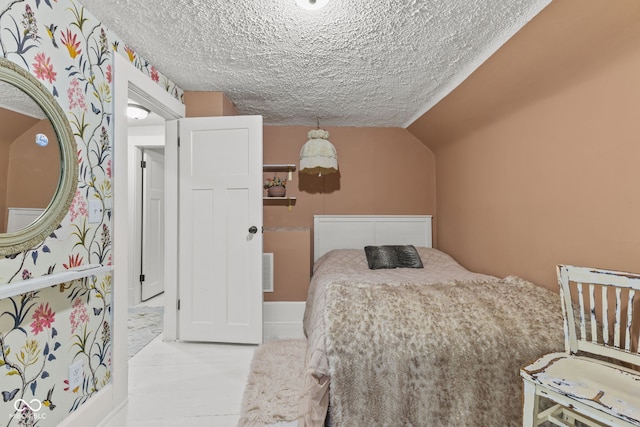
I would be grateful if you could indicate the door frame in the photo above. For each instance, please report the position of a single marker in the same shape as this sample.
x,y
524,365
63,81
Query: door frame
x,y
131,83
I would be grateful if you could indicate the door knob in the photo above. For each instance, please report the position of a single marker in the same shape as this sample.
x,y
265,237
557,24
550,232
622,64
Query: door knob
x,y
253,229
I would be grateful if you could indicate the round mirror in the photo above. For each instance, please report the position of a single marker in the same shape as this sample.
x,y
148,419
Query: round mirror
x,y
38,161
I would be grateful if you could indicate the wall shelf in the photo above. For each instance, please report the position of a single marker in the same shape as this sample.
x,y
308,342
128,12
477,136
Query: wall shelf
x,y
290,167
290,201
8,290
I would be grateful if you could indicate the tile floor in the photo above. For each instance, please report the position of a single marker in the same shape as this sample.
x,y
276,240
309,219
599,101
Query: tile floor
x,y
185,384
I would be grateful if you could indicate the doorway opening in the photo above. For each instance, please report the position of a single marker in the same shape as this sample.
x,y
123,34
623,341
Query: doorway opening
x,y
131,84
146,142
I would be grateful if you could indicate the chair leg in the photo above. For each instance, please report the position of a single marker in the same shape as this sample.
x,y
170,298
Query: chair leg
x,y
530,407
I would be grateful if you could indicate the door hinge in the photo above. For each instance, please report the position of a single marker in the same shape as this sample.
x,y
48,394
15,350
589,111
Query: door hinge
x,y
178,141
143,164
142,277
178,304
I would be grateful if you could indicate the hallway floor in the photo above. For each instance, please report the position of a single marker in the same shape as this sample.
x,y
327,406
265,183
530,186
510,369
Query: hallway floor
x,y
185,384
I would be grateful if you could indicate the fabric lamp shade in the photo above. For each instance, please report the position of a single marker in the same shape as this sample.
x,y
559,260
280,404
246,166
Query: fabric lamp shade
x,y
318,155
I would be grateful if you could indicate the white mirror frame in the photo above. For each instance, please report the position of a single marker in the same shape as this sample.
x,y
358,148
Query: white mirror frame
x,y
32,235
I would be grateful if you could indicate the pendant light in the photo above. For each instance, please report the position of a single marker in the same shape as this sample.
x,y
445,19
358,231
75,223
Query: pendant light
x,y
318,155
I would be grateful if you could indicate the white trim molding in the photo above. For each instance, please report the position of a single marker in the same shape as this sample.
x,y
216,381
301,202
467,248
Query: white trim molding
x,y
282,319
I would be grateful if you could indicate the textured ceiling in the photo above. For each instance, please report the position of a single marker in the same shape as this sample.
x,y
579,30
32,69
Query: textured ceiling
x,y
15,99
352,63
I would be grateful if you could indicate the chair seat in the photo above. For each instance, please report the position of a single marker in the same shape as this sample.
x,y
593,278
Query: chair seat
x,y
609,388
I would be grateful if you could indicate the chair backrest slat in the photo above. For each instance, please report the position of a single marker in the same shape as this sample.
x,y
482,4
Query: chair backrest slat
x,y
568,324
605,314
627,335
617,324
583,323
612,333
592,309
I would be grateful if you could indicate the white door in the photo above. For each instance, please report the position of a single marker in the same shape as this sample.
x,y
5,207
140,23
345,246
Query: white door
x,y
220,229
152,277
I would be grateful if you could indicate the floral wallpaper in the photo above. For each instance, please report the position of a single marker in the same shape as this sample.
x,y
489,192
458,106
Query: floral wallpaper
x,y
43,333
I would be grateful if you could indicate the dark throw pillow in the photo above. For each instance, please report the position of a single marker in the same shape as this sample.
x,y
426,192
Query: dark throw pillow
x,y
392,256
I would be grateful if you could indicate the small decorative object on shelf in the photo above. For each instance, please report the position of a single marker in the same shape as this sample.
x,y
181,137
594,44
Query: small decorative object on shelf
x,y
276,187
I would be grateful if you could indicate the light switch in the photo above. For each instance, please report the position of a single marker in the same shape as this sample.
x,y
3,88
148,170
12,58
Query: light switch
x,y
75,376
95,211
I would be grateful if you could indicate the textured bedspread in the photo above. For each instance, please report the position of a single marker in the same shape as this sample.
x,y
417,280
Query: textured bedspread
x,y
440,355
435,347
350,266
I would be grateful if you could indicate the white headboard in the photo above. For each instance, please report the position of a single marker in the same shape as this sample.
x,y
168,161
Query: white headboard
x,y
357,231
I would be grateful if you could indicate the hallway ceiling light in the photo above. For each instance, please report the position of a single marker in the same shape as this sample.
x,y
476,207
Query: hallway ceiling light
x,y
312,4
137,112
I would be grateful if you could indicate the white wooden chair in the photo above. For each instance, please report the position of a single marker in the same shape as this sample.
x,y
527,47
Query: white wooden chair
x,y
601,321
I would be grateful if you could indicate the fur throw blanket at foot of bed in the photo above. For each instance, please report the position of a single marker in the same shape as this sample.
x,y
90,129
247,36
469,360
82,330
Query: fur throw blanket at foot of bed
x,y
440,355
275,383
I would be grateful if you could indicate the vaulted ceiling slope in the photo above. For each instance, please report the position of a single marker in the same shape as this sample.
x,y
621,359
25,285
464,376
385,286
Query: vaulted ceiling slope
x,y
352,63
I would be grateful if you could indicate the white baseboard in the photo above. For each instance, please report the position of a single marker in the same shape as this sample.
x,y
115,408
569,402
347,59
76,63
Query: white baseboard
x,y
282,319
131,301
94,411
114,413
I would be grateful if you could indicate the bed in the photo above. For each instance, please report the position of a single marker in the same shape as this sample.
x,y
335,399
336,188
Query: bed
x,y
432,346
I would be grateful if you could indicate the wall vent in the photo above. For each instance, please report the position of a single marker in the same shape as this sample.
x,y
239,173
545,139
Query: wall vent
x,y
267,272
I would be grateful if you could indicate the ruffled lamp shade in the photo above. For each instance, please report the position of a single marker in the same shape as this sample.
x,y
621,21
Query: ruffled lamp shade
x,y
318,155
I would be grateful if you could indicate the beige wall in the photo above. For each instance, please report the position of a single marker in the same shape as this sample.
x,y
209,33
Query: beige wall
x,y
291,263
537,152
208,104
13,125
30,173
383,171
34,171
